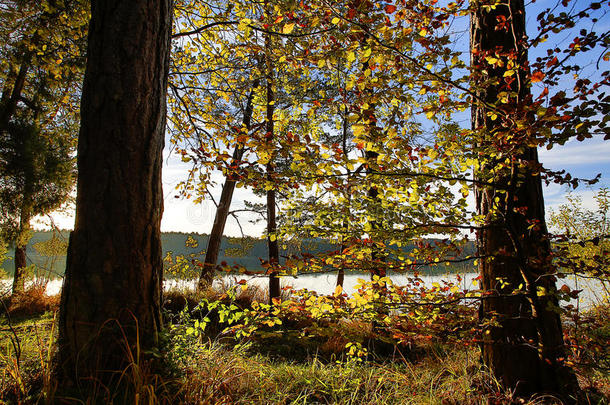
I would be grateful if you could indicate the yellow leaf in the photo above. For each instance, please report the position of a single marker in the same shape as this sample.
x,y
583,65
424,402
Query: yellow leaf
x,y
338,290
288,28
335,20
351,56
358,130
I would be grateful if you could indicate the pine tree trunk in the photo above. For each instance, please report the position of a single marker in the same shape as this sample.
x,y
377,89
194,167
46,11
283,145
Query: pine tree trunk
x,y
524,349
222,212
110,303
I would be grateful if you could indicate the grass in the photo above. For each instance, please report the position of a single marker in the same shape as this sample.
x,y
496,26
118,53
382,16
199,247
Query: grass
x,y
282,368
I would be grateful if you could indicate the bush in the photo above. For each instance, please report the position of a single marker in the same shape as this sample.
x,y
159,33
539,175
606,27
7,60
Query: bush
x,y
33,301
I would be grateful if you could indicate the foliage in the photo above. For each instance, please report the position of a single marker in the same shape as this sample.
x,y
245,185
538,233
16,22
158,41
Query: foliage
x,y
583,245
41,70
213,371
37,176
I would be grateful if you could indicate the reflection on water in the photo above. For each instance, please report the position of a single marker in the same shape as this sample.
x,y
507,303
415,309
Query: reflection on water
x,y
592,290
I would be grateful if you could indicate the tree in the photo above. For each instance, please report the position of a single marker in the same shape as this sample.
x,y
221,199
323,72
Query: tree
x,y
41,69
37,176
222,211
110,303
42,39
582,244
213,102
522,342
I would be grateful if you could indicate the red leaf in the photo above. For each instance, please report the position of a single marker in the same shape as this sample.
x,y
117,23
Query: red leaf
x,y
390,8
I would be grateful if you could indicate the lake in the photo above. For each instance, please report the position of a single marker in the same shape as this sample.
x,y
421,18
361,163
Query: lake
x,y
324,283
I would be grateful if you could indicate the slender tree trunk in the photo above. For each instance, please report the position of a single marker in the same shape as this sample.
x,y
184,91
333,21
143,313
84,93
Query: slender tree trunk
x,y
524,349
272,243
222,211
370,121
20,265
341,272
110,303
21,250
377,266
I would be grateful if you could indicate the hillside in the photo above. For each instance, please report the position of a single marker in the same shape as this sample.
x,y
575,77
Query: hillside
x,y
246,252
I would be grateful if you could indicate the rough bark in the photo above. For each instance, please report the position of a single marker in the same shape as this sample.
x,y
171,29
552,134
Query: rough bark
x,y
222,211
524,349
110,303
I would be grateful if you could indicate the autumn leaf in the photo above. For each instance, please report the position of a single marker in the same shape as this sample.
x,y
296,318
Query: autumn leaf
x,y
390,8
288,28
537,76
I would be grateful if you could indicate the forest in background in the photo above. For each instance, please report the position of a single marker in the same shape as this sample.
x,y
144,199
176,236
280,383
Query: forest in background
x,y
47,250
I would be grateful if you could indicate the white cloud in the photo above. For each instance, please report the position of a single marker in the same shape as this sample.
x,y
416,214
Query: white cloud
x,y
593,151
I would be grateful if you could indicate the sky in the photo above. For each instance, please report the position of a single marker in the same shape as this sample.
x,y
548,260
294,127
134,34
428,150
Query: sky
x,y
582,159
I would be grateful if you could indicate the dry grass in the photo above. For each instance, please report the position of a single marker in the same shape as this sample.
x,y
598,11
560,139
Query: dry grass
x,y
206,371
34,301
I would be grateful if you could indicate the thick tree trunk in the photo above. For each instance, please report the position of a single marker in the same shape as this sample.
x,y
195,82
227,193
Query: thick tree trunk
x,y
110,303
525,347
222,211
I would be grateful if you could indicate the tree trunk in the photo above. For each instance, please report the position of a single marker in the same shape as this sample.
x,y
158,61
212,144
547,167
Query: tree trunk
x,y
525,347
272,243
21,245
222,211
20,265
347,195
110,303
274,252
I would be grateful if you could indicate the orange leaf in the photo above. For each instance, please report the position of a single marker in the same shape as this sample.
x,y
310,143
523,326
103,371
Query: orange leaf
x,y
537,76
